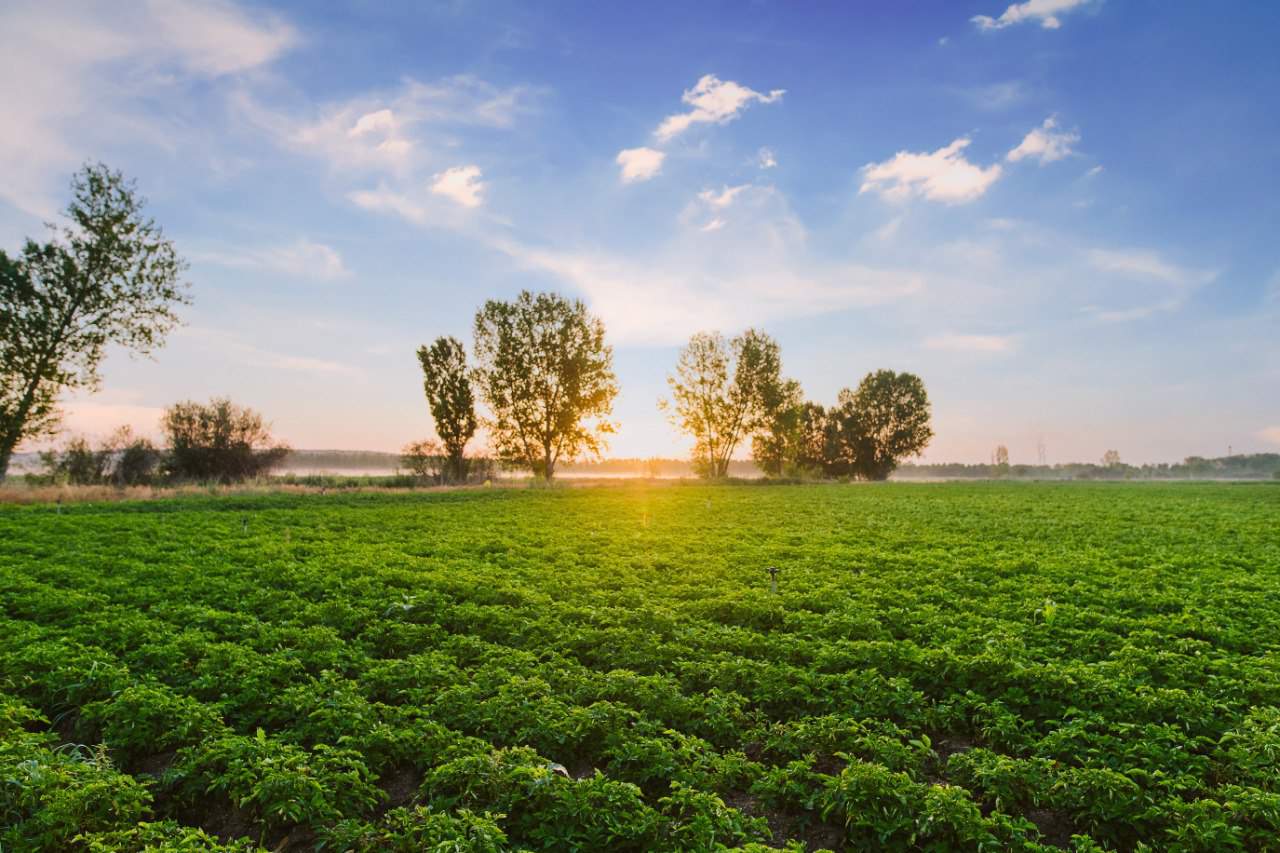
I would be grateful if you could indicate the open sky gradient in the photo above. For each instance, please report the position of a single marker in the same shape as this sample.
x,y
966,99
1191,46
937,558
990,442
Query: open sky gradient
x,y
1062,214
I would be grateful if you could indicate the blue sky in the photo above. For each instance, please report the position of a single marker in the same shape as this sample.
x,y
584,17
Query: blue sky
x,y
1061,214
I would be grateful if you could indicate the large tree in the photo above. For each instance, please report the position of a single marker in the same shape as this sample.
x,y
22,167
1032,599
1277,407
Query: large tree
x,y
546,376
722,392
106,276
453,405
881,423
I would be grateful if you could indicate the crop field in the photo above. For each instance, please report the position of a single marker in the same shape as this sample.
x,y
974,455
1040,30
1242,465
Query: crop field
x,y
941,667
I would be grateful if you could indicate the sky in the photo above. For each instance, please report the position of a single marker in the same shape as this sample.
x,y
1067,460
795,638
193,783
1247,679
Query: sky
x,y
1061,214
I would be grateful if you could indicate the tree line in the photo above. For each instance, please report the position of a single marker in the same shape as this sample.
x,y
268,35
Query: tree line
x,y
545,374
540,365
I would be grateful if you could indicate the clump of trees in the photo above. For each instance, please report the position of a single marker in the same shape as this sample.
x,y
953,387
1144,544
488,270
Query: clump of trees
x,y
218,441
123,459
545,375
724,392
107,276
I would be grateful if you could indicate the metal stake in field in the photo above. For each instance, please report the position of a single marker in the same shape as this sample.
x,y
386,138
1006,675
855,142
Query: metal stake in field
x,y
773,579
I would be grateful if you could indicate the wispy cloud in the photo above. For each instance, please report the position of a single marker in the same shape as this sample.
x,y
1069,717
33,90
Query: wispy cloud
x,y
75,80
970,343
1148,264
1044,12
1046,143
943,175
398,131
302,259
639,164
765,158
1145,266
713,101
229,345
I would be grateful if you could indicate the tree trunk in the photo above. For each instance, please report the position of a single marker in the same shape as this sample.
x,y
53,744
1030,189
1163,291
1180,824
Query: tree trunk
x,y
6,453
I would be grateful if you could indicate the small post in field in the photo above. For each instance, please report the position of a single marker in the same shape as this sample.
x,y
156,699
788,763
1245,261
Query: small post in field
x,y
773,579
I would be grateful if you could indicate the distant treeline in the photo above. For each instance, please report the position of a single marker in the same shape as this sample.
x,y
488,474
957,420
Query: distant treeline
x,y
1253,466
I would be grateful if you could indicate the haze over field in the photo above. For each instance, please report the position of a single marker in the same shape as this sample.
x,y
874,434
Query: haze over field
x,y
1060,214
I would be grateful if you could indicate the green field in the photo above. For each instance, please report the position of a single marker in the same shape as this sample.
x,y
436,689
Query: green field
x,y
943,666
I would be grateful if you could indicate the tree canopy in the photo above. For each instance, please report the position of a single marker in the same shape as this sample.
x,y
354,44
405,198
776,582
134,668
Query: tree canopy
x,y
106,276
545,374
882,422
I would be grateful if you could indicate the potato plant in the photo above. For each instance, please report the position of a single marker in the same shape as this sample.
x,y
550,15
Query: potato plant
x,y
994,666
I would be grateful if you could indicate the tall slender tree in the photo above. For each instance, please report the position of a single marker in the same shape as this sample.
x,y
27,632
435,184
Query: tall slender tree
x,y
447,383
545,373
107,276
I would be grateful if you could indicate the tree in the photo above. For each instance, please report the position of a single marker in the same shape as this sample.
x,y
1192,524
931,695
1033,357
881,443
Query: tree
x,y
453,406
1000,457
884,421
1111,458
219,441
135,460
425,459
109,276
776,445
546,376
721,393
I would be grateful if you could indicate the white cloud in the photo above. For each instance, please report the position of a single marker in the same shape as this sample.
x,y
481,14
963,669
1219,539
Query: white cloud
x,y
1271,434
639,164
970,343
76,77
302,259
765,158
943,175
714,101
460,183
1046,12
1094,172
1045,143
649,301
755,268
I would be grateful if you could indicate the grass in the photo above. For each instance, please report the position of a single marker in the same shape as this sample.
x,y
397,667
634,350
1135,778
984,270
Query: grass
x,y
998,666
